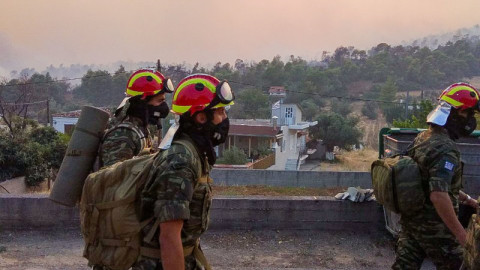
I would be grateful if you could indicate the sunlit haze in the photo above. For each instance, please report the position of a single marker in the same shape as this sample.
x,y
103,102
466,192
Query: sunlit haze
x,y
43,32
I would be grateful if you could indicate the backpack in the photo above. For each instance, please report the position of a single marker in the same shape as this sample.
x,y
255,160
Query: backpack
x,y
397,184
471,255
109,213
144,142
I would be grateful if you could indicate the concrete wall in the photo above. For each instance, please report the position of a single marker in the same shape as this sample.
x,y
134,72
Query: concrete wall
x,y
309,213
316,179
291,178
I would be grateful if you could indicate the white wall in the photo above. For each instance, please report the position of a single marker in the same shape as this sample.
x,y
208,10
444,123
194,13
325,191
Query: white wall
x,y
60,122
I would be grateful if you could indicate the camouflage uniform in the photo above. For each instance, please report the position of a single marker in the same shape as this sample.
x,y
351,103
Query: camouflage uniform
x,y
424,233
178,188
124,141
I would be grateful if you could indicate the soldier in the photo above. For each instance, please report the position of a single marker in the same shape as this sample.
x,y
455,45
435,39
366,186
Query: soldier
x,y
177,194
145,104
435,230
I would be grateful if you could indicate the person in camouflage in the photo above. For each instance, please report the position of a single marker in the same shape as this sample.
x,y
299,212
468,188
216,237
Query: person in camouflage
x,y
177,194
435,230
145,104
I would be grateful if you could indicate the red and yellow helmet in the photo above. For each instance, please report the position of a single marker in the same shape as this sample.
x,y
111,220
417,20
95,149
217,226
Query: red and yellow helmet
x,y
148,82
461,96
198,92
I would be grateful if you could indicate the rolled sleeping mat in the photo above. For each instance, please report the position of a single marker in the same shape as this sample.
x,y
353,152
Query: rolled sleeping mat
x,y
80,156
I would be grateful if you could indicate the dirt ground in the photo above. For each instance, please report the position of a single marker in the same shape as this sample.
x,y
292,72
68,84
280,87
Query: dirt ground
x,y
248,250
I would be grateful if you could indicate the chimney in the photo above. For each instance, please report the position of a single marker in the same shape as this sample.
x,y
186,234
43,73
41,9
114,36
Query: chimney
x,y
274,121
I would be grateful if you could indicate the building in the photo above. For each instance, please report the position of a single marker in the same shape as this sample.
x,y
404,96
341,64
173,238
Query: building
x,y
292,150
285,133
277,91
65,122
251,135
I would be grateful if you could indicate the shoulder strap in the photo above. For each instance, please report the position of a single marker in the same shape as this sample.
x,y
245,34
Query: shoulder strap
x,y
189,145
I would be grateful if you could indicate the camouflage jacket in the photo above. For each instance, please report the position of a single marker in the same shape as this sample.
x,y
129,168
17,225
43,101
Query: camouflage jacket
x,y
123,141
439,161
177,188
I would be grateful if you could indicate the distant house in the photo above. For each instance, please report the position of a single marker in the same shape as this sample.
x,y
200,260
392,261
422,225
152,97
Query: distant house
x,y
285,133
287,114
65,122
291,152
277,91
248,134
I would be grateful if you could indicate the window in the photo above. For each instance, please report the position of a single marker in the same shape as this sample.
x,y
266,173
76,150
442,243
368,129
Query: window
x,y
288,112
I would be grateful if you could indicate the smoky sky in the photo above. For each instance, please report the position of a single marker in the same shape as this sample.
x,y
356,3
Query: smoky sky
x,y
43,32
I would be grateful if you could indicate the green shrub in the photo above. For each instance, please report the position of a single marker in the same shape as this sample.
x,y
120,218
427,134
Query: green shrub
x,y
31,152
233,156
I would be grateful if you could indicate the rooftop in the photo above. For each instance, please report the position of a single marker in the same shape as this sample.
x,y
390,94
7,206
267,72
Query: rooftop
x,y
75,114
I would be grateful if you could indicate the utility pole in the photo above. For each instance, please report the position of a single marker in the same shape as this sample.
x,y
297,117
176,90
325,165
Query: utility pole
x,y
48,112
406,104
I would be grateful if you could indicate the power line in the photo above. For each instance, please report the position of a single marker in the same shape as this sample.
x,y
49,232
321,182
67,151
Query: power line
x,y
26,103
329,96
63,80
241,83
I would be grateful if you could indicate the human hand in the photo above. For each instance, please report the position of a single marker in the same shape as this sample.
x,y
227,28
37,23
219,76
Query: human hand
x,y
462,238
472,203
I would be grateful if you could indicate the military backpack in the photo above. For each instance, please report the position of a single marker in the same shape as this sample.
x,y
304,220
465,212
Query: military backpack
x,y
397,184
109,213
471,256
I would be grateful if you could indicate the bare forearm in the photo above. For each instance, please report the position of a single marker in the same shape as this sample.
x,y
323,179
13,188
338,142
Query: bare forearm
x,y
442,203
171,249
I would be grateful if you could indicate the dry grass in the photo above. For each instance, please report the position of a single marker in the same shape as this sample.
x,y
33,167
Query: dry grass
x,y
357,161
360,160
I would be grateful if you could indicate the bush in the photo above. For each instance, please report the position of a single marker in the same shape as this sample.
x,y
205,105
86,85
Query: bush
x,y
233,156
31,152
369,109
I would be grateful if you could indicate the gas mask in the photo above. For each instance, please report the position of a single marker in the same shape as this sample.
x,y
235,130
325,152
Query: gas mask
x,y
155,113
220,132
469,126
458,126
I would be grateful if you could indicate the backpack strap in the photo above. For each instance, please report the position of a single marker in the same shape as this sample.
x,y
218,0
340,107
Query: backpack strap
x,y
201,169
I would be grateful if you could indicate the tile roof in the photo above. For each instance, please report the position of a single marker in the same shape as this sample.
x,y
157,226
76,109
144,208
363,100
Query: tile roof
x,y
75,114
252,130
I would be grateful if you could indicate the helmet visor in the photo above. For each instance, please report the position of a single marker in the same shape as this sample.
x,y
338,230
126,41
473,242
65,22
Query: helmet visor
x,y
225,93
168,86
440,114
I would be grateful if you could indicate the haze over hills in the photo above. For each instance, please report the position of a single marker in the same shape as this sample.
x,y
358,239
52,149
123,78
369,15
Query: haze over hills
x,y
11,54
433,41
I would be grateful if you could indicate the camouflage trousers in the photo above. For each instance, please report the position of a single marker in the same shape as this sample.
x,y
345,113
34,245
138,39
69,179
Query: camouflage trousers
x,y
434,241
145,263
154,264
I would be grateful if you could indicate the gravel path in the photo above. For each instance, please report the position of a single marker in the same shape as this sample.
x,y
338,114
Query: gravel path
x,y
38,250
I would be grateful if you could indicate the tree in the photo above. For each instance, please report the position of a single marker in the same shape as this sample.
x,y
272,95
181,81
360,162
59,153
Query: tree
x,y
336,130
310,109
16,98
233,156
97,89
388,93
32,152
369,109
418,119
251,103
341,107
